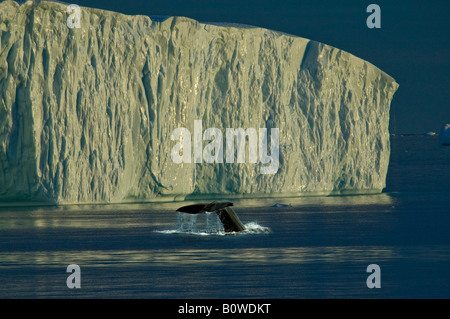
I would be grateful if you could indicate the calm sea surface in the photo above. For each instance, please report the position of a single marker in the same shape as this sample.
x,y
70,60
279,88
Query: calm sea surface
x,y
317,247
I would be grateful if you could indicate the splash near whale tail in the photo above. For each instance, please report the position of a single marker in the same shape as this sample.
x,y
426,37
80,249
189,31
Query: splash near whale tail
x,y
229,219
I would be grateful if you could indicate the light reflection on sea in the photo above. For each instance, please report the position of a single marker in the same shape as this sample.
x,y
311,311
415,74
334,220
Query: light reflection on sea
x,y
311,248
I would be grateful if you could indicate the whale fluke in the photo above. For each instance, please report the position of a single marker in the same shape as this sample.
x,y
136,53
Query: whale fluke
x,y
229,219
201,208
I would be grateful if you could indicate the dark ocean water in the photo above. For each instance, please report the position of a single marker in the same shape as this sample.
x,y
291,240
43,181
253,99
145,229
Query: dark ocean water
x,y
317,247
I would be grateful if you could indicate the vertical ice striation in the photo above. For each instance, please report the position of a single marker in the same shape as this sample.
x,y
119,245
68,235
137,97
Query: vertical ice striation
x,y
87,114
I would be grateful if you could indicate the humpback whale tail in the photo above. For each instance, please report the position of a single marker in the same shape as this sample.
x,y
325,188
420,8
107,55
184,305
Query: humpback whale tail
x,y
229,219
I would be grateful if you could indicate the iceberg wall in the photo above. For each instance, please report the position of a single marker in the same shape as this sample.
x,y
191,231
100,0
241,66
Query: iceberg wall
x,y
87,114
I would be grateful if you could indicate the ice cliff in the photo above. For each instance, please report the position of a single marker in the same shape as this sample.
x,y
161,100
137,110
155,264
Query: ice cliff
x,y
87,114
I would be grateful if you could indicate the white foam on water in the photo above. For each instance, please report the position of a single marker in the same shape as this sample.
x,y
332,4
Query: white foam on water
x,y
255,228
207,224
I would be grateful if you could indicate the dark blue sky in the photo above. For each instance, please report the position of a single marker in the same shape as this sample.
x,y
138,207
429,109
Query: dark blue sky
x,y
412,45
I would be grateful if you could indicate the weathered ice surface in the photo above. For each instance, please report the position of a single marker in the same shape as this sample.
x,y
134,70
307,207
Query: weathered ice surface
x,y
86,114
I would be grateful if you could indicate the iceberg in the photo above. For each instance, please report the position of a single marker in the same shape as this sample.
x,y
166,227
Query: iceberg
x,y
444,136
88,108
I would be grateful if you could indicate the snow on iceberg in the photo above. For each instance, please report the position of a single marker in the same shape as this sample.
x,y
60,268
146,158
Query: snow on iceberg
x,y
87,114
444,136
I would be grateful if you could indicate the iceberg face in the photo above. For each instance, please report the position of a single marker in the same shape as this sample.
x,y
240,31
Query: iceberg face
x,y
88,114
444,136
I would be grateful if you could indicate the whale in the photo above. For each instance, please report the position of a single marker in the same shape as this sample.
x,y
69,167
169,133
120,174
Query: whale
x,y
228,217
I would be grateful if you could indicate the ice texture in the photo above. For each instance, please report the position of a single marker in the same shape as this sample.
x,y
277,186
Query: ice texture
x,y
444,136
86,114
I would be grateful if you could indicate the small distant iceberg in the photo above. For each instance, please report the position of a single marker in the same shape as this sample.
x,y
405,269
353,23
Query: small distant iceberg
x,y
444,136
281,205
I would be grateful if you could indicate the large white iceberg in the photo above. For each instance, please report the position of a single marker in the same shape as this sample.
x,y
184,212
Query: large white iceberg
x,y
87,114
444,136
